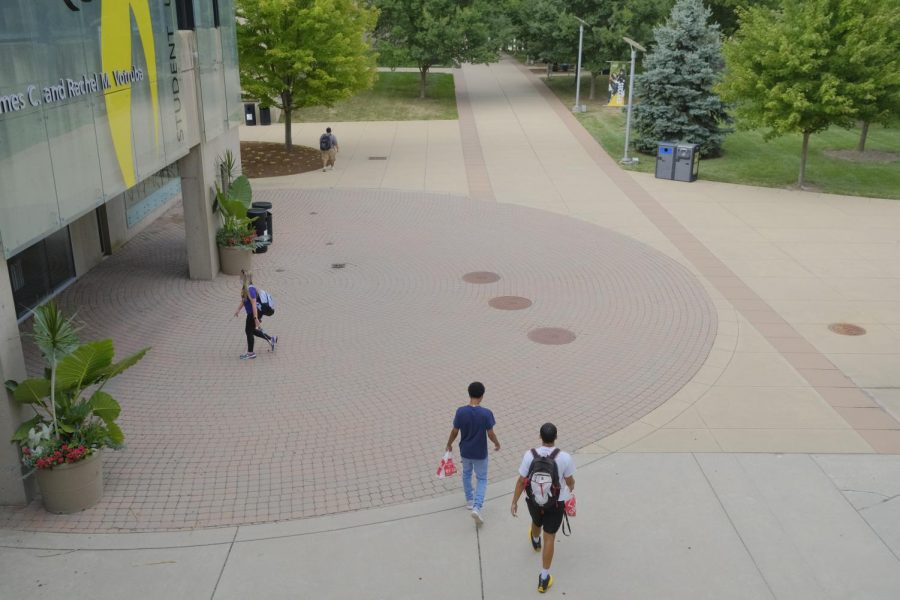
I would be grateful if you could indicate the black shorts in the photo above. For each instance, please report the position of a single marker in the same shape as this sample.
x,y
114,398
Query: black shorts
x,y
548,518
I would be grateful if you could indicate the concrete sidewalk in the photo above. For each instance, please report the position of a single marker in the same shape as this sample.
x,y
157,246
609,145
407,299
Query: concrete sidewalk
x,y
697,498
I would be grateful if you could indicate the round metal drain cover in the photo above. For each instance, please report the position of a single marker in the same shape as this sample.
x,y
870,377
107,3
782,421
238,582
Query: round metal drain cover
x,y
509,302
553,336
481,277
846,329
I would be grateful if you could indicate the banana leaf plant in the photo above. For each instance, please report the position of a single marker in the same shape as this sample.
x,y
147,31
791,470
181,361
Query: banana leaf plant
x,y
74,415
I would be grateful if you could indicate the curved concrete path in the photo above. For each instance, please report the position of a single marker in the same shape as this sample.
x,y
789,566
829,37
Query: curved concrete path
x,y
667,514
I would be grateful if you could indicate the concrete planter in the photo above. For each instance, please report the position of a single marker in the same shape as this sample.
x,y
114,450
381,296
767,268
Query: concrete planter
x,y
233,260
72,487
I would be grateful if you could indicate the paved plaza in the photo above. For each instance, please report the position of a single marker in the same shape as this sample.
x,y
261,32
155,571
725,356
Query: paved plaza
x,y
729,444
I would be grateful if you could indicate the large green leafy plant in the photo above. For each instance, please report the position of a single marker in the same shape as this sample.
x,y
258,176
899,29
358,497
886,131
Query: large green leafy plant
x,y
74,416
233,199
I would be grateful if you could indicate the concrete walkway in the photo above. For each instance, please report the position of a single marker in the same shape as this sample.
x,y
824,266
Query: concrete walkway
x,y
773,473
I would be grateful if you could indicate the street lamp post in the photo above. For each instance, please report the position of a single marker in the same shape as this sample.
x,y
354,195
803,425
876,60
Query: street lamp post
x,y
579,107
634,47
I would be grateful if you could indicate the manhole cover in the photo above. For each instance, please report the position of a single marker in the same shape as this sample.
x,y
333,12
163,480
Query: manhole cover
x,y
481,277
553,336
509,302
338,265
378,158
846,329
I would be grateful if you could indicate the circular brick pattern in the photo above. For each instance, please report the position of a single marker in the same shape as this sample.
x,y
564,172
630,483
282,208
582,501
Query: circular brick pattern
x,y
847,329
551,336
481,277
509,302
353,409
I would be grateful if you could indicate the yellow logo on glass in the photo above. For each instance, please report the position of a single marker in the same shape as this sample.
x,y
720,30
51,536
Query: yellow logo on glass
x,y
115,38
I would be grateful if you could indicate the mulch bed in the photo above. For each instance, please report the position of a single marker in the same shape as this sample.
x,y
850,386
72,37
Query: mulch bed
x,y
267,159
871,156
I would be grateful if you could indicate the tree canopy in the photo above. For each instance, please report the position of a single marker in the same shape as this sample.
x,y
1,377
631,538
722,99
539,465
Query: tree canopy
x,y
427,33
782,71
296,53
677,101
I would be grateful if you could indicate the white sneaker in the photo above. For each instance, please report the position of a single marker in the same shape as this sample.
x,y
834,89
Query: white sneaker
x,y
476,516
469,505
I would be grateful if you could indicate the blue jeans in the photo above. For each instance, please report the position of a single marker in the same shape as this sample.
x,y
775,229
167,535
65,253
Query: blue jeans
x,y
481,470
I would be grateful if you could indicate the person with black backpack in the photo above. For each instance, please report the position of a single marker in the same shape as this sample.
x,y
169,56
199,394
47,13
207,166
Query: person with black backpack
x,y
328,144
256,303
543,471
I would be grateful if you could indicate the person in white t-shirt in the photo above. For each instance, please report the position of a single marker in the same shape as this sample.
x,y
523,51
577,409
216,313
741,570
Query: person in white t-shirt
x,y
548,517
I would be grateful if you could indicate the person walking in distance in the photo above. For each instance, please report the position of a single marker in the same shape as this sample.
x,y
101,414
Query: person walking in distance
x,y
542,473
475,423
249,302
328,144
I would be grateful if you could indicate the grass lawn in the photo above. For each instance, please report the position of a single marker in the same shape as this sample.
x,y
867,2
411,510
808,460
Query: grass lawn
x,y
395,97
747,159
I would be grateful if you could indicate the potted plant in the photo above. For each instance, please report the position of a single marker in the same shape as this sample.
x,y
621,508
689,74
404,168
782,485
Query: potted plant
x,y
237,238
74,417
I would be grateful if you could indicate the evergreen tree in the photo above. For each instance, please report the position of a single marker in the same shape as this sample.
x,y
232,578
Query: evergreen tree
x,y
677,101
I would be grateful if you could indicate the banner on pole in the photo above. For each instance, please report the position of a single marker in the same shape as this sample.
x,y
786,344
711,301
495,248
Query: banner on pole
x,y
617,70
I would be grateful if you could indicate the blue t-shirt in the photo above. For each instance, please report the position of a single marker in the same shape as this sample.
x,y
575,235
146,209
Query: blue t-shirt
x,y
473,423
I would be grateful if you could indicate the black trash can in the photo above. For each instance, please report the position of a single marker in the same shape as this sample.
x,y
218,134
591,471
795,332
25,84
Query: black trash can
x,y
265,115
267,206
259,223
249,113
665,160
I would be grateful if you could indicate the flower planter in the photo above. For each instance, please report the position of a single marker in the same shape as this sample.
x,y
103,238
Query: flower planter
x,y
233,260
72,487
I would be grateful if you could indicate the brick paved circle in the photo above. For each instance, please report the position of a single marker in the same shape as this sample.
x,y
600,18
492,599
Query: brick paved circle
x,y
552,336
354,408
847,329
509,302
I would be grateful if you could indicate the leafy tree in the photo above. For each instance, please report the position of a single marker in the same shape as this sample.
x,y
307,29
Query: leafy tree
x,y
545,30
725,12
611,20
781,71
427,33
870,55
676,88
296,53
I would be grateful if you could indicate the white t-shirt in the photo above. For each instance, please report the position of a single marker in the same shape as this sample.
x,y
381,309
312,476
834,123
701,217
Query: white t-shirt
x,y
564,464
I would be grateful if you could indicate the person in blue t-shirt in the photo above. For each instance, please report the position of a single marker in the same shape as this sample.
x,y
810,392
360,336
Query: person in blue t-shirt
x,y
474,422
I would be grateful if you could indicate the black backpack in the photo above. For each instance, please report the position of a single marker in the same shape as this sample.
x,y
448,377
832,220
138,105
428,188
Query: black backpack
x,y
542,486
325,142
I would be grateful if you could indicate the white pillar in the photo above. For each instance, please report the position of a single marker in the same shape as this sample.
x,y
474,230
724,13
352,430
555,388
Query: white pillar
x,y
199,173
13,489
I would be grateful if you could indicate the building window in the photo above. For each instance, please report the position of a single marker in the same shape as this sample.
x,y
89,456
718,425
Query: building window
x,y
40,270
184,12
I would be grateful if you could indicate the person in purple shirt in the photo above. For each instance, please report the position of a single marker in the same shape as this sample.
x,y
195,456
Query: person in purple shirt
x,y
476,424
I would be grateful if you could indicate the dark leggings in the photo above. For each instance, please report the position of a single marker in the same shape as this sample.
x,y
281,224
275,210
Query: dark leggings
x,y
251,330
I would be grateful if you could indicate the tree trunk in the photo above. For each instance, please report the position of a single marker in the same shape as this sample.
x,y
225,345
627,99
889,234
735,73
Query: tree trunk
x,y
287,103
423,81
593,85
549,70
861,147
802,179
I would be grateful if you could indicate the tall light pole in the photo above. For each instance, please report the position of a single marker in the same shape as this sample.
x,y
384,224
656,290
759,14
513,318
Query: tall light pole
x,y
634,47
579,107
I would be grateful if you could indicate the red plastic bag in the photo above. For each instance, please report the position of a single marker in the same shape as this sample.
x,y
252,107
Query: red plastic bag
x,y
446,468
570,506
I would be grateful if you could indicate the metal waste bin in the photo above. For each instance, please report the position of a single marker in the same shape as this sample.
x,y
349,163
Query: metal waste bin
x,y
665,160
687,162
266,206
265,115
249,113
258,215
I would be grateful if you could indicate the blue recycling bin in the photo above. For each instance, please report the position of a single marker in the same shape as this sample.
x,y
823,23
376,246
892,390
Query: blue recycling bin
x,y
665,160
